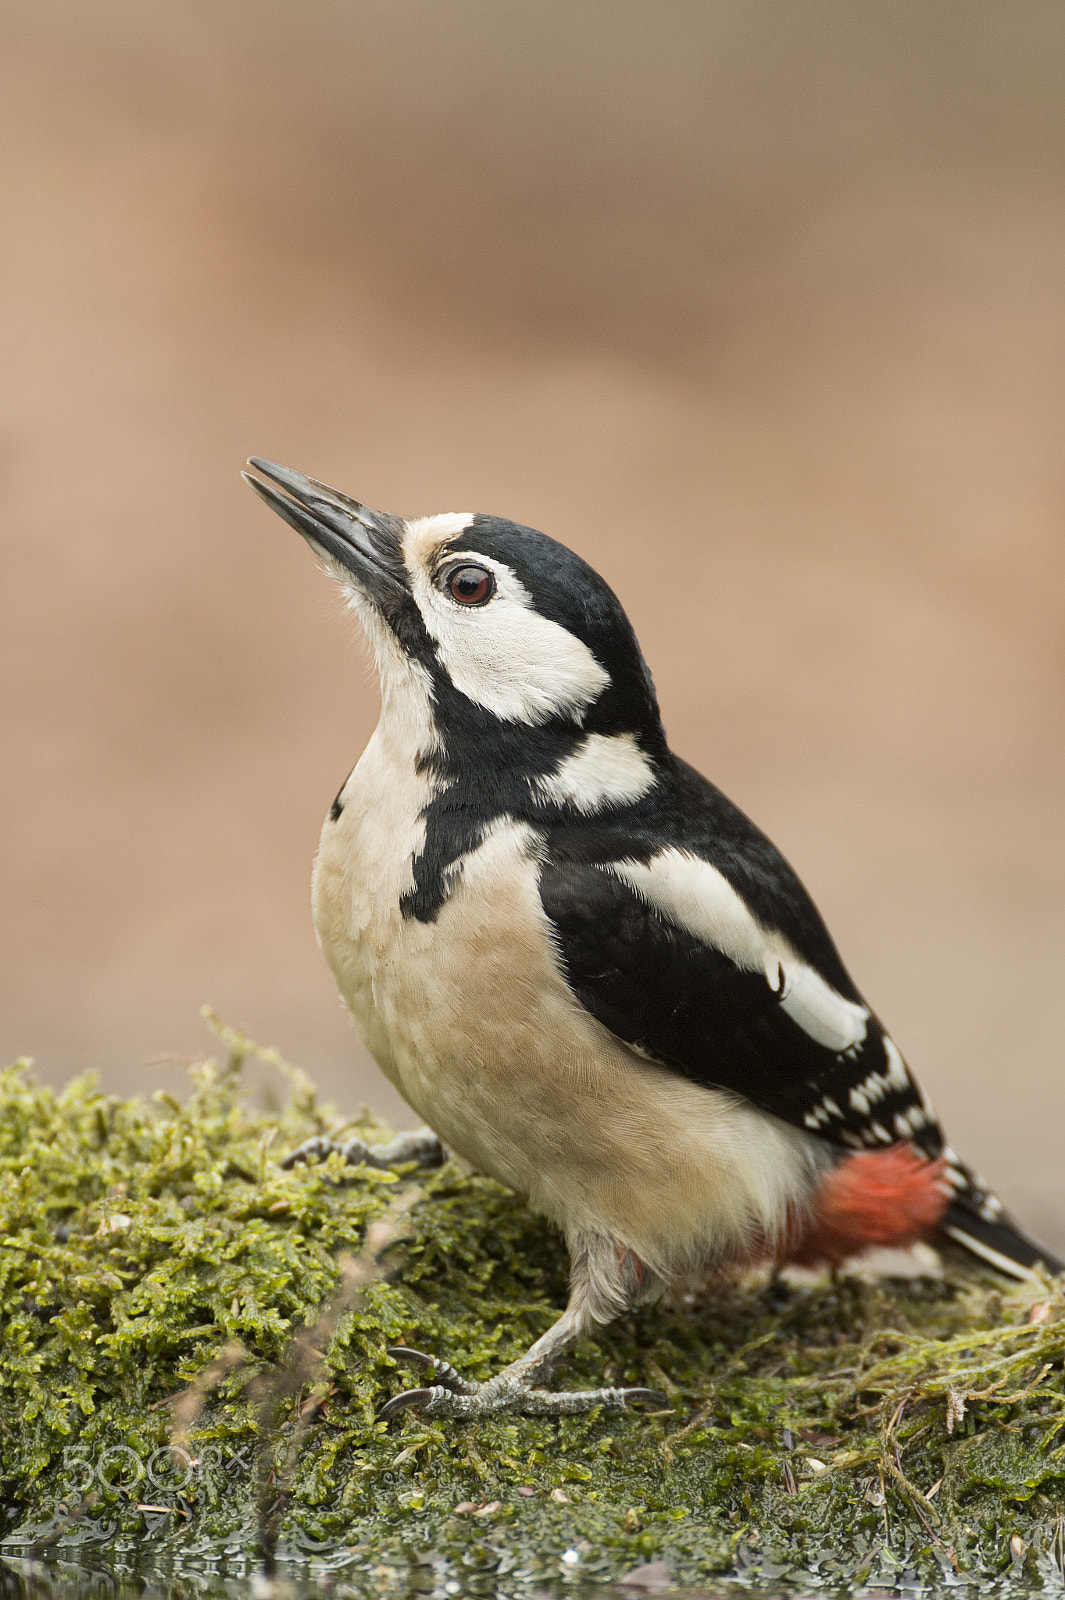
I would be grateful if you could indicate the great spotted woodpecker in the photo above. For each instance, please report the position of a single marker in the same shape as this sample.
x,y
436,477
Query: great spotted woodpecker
x,y
593,977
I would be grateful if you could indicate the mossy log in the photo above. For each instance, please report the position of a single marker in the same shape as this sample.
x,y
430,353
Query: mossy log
x,y
194,1351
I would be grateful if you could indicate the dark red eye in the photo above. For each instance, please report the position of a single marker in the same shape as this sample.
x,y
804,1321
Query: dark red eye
x,y
470,586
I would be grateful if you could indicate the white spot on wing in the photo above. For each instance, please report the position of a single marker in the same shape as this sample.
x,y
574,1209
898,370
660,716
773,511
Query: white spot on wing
x,y
605,770
875,1087
897,1076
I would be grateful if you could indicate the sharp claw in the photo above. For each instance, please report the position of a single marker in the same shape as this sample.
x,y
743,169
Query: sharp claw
x,y
403,1352
403,1402
653,1397
441,1401
442,1371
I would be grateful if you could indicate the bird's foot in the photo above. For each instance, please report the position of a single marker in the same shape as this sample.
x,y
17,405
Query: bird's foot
x,y
421,1146
513,1389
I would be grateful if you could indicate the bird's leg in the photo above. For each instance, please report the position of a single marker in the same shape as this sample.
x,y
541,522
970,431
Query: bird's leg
x,y
422,1146
604,1281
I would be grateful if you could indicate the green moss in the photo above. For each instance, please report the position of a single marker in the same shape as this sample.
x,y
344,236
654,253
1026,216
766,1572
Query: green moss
x,y
156,1263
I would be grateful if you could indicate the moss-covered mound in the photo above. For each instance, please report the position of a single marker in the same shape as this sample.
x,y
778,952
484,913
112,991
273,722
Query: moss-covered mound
x,y
193,1352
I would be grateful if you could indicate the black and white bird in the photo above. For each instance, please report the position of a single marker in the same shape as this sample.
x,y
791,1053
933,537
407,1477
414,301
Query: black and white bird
x,y
587,971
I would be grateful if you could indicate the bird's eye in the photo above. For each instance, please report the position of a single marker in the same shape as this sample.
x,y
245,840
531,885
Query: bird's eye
x,y
470,586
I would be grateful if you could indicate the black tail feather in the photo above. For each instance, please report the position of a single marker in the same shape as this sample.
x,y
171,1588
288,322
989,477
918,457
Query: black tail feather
x,y
997,1241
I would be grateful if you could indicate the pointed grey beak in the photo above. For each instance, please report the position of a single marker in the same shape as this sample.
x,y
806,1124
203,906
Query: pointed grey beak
x,y
367,543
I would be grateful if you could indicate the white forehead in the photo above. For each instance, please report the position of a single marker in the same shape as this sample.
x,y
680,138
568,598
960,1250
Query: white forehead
x,y
424,536
504,656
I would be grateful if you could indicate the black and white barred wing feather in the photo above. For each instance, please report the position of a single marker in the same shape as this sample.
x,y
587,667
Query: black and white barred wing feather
x,y
668,956
665,955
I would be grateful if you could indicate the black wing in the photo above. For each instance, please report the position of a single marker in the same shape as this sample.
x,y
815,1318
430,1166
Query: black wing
x,y
686,1005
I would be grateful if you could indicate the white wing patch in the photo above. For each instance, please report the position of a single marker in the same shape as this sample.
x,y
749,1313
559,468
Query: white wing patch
x,y
819,1010
604,770
503,656
694,895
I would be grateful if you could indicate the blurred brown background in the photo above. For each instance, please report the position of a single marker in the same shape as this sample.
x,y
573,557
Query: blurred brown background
x,y
760,306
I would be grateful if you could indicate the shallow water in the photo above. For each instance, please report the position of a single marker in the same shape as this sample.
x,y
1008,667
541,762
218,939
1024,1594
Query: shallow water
x,y
486,1575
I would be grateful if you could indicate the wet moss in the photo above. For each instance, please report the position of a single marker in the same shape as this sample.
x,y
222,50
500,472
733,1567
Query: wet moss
x,y
164,1282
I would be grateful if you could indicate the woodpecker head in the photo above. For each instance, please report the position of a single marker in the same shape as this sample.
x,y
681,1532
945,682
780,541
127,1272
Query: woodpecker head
x,y
507,630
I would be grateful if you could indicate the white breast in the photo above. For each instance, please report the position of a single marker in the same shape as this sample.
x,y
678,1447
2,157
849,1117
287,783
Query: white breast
x,y
472,1020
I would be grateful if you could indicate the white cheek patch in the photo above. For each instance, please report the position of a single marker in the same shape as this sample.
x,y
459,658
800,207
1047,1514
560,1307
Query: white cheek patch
x,y
504,656
605,770
522,668
698,898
